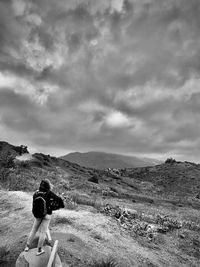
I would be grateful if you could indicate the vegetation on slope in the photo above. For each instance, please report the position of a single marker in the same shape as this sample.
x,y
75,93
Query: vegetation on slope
x,y
155,209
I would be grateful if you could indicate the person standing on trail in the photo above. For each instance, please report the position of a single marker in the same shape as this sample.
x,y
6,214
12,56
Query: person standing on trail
x,y
44,202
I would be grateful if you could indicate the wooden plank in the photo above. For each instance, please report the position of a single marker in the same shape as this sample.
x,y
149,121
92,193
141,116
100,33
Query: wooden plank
x,y
53,254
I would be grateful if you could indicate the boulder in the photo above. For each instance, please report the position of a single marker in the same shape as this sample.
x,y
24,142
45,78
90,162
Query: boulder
x,y
29,259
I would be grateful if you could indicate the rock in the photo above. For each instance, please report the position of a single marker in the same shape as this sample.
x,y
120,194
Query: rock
x,y
94,179
163,230
29,259
150,236
196,242
151,228
21,261
182,236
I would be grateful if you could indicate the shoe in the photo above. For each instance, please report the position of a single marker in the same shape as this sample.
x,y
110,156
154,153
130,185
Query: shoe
x,y
26,249
40,252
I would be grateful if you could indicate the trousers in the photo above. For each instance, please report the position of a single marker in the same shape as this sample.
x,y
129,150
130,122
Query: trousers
x,y
41,225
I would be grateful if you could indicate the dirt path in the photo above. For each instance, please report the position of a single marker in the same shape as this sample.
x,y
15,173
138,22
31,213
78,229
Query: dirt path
x,y
83,235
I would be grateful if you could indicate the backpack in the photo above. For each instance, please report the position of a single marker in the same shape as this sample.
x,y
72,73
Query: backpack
x,y
39,208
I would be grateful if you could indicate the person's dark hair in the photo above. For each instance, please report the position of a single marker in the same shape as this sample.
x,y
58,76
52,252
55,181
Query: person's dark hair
x,y
45,185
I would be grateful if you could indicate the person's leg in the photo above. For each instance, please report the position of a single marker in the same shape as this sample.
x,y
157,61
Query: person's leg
x,y
48,235
49,239
34,229
43,229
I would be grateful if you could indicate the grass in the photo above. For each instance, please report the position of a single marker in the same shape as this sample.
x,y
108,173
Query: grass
x,y
191,225
71,239
190,244
96,236
104,263
4,250
71,205
63,220
83,199
155,243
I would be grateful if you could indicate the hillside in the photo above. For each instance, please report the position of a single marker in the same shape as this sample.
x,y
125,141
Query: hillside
x,y
180,179
15,150
23,171
101,160
168,180
145,216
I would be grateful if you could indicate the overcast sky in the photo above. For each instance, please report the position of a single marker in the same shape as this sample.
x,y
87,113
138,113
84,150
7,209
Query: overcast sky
x,y
116,76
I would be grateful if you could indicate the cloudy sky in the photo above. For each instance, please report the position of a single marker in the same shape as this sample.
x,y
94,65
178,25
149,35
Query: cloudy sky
x,y
120,76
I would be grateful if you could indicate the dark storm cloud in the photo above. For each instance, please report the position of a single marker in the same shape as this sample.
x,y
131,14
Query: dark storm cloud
x,y
126,70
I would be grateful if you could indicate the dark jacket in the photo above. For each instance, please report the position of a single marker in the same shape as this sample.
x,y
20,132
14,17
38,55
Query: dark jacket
x,y
53,202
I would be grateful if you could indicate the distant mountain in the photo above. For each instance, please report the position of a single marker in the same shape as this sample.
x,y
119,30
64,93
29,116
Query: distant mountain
x,y
101,160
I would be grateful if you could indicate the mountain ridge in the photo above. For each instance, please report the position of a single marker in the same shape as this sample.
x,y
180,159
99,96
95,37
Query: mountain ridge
x,y
104,160
169,179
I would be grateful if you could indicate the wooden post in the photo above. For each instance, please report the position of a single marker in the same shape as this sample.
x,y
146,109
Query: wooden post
x,y
53,254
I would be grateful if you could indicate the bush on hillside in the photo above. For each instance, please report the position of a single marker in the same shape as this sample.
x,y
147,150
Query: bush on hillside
x,y
94,179
82,199
37,163
6,159
170,161
22,163
104,263
4,250
6,164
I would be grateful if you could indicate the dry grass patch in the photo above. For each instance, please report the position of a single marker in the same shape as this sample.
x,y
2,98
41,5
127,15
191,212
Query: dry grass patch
x,y
63,220
4,250
104,263
83,199
96,236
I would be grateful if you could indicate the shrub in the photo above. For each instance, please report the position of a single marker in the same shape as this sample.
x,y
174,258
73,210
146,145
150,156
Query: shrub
x,y
4,250
37,163
104,263
18,182
83,199
6,159
94,179
72,199
70,204
22,163
113,189
6,164
170,161
98,203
